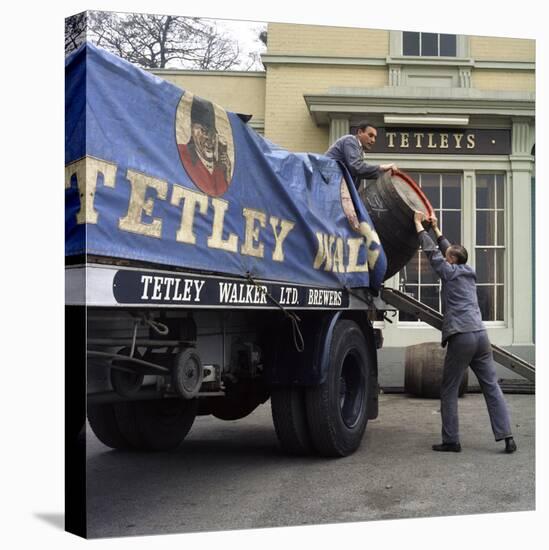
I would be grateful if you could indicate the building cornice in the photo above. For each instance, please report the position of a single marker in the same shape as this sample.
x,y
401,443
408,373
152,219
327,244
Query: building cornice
x,y
506,65
409,100
269,59
287,59
191,72
257,124
430,61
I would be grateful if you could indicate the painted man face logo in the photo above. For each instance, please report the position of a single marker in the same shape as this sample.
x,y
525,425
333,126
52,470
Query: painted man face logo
x,y
204,140
205,143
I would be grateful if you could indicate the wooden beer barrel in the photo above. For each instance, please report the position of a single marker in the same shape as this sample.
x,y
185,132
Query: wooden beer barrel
x,y
423,365
391,201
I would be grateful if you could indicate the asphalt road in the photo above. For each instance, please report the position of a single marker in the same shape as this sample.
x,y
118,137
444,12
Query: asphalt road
x,y
232,475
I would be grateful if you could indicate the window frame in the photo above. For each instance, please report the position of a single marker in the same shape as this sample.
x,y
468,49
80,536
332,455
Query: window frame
x,y
396,50
419,284
505,247
469,234
421,45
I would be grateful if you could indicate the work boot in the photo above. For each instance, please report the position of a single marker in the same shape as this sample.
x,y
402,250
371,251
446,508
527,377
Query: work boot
x,y
510,445
448,448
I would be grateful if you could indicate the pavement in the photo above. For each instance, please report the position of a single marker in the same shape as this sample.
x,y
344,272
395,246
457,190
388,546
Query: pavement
x,y
232,475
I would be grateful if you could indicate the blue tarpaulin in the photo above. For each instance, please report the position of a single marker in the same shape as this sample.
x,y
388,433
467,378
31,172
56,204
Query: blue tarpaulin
x,y
156,174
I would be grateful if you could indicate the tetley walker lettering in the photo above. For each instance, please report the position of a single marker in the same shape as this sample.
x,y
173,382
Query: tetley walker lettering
x,y
135,287
171,289
197,219
242,293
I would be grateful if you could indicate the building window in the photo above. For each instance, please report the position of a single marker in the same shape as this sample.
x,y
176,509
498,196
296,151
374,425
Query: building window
x,y
429,44
490,245
417,278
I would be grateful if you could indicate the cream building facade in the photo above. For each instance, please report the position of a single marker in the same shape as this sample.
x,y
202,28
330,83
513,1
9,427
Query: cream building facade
x,y
455,112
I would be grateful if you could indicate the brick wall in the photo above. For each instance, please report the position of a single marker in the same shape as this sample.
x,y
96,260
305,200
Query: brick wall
x,y
240,94
318,40
288,122
518,81
502,49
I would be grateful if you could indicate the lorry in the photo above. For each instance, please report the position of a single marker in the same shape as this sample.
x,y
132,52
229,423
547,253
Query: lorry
x,y
209,270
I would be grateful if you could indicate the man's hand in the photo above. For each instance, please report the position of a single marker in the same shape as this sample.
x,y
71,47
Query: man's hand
x,y
419,217
434,224
387,167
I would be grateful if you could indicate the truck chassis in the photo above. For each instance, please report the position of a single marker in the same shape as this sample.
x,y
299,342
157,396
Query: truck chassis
x,y
162,346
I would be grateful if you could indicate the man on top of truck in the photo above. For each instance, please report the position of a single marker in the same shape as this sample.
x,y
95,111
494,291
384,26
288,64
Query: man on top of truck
x,y
350,149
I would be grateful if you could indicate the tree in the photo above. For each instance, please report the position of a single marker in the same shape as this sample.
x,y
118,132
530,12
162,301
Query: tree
x,y
160,41
75,31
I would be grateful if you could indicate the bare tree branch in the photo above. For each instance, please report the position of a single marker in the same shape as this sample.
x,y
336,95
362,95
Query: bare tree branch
x,y
154,41
75,31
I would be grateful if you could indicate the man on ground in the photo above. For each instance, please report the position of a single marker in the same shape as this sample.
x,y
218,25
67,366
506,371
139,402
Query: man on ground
x,y
468,343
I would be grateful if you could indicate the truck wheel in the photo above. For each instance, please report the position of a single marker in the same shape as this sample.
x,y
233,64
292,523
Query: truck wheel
x,y
337,409
103,423
290,420
156,425
125,383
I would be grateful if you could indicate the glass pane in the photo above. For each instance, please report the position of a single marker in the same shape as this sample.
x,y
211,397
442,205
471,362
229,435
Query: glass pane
x,y
500,216
486,302
451,191
485,228
432,192
430,185
415,176
410,43
428,274
484,265
485,191
451,179
500,191
448,44
500,297
451,226
500,265
412,290
429,296
429,43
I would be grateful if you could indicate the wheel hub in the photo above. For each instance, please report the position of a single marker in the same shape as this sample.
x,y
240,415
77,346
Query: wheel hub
x,y
351,392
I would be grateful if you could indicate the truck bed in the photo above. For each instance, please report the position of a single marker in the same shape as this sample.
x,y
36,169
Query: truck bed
x,y
292,219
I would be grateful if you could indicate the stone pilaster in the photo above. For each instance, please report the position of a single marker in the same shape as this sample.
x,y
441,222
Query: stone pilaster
x,y
521,246
395,75
465,77
339,126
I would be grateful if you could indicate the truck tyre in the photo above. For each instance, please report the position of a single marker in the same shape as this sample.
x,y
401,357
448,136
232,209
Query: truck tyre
x,y
102,419
337,408
290,420
124,383
156,425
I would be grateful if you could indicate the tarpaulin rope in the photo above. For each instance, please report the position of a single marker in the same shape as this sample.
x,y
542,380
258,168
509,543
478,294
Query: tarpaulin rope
x,y
146,320
299,342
